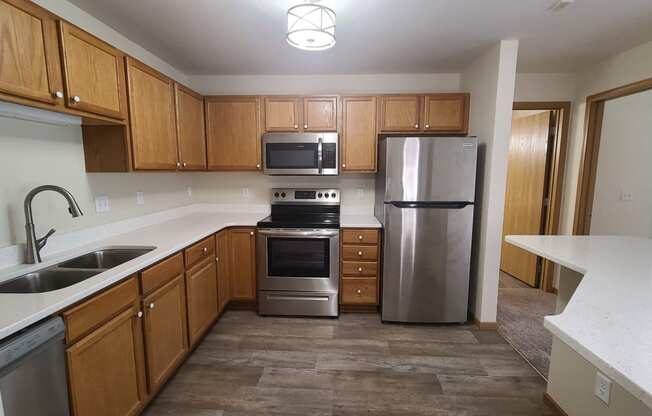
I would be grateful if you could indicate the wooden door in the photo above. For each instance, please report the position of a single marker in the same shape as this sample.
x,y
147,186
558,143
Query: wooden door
x,y
30,65
191,133
320,114
524,196
223,277
166,331
201,289
94,73
152,119
446,113
282,114
400,113
242,242
233,133
106,369
359,138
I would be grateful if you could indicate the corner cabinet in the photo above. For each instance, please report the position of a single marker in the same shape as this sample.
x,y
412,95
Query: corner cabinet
x,y
242,255
30,68
233,133
152,118
445,113
359,138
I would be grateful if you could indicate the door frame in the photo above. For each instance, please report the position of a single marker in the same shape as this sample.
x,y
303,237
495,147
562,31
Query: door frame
x,y
555,178
594,114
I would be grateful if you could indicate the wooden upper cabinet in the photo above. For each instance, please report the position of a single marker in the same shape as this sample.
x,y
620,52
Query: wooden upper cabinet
x,y
191,134
282,114
359,137
400,113
94,73
30,65
223,277
446,113
242,242
106,369
152,118
233,133
320,114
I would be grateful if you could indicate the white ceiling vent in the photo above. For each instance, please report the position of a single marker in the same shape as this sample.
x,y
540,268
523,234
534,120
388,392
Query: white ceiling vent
x,y
560,5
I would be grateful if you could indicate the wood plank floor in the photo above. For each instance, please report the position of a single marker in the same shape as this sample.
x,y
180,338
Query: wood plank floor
x,y
355,365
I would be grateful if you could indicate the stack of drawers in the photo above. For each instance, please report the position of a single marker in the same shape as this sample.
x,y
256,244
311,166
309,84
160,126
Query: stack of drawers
x,y
360,266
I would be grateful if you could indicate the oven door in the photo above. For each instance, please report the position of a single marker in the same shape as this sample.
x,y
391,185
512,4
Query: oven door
x,y
298,260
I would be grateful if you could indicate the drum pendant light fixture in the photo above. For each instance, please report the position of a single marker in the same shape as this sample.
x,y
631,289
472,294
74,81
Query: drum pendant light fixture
x,y
311,27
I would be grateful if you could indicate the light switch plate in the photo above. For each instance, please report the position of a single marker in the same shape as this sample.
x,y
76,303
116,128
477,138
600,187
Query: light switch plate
x,y
189,191
102,204
602,387
140,198
626,196
245,192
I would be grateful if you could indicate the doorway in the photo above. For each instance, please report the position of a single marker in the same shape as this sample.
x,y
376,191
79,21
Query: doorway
x,y
535,169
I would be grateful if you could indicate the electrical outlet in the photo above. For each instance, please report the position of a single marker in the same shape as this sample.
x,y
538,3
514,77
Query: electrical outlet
x,y
189,191
602,387
626,196
102,204
245,192
360,193
140,198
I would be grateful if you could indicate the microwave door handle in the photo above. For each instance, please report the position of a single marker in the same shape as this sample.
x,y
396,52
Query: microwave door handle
x,y
319,155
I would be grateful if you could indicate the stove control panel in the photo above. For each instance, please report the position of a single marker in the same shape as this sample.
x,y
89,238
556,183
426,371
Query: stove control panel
x,y
305,196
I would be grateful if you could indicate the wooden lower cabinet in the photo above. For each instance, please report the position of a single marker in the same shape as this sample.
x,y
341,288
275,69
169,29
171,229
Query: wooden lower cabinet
x,y
165,329
201,289
360,267
223,277
242,256
107,368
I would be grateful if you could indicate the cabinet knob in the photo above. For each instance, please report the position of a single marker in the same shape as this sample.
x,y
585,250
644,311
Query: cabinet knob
x,y
184,164
258,165
217,259
360,237
76,99
139,314
58,94
251,233
204,250
296,126
416,126
359,253
359,292
360,269
178,165
305,126
151,305
343,165
427,126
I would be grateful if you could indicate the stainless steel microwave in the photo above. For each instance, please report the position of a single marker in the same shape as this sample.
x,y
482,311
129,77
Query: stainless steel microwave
x,y
300,154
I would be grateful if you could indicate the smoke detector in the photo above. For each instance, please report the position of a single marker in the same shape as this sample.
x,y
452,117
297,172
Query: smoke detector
x,y
560,5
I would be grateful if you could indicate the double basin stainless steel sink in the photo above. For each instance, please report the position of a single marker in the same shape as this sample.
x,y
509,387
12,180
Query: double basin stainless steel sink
x,y
72,271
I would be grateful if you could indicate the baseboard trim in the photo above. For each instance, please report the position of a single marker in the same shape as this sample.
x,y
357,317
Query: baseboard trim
x,y
552,404
242,305
485,326
554,291
359,308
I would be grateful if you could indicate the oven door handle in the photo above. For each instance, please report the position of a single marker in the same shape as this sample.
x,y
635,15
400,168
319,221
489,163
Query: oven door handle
x,y
298,233
320,156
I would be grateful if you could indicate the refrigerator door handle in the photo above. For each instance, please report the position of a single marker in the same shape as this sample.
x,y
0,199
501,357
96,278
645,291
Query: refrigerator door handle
x,y
433,205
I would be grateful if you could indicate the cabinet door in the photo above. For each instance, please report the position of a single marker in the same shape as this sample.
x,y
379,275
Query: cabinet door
x,y
30,65
166,333
201,287
151,116
446,113
94,73
399,113
233,133
106,369
282,114
242,254
359,137
223,277
191,133
320,114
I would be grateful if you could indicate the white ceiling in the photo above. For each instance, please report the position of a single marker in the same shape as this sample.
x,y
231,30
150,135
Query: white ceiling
x,y
377,36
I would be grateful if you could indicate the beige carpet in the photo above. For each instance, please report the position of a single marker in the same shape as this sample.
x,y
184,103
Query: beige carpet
x,y
520,320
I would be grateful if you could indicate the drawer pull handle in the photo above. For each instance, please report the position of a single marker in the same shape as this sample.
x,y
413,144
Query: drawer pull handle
x,y
217,259
151,305
305,126
58,94
251,233
427,126
76,99
296,126
359,253
360,237
139,314
359,292
360,269
204,250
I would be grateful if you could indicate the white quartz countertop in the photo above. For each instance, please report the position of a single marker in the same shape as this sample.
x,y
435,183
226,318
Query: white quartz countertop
x,y
17,311
359,221
607,320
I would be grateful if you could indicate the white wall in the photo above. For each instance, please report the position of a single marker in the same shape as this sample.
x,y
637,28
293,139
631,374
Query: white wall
x,y
624,167
545,87
490,80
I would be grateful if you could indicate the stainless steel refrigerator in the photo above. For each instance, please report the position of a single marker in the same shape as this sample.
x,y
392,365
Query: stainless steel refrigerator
x,y
425,194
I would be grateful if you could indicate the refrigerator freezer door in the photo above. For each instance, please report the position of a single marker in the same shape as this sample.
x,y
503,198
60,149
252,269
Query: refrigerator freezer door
x,y
427,256
429,168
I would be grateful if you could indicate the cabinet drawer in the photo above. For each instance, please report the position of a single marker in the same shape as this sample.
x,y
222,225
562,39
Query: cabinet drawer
x,y
360,253
87,316
359,291
359,268
360,236
199,251
161,273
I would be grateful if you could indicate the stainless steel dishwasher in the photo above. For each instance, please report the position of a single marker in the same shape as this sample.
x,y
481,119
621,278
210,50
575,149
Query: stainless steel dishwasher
x,y
33,371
